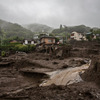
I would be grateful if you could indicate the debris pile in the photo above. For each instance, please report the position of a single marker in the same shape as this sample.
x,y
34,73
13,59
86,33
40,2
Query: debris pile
x,y
93,73
21,74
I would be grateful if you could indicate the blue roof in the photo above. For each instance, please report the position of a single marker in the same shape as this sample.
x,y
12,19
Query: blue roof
x,y
89,33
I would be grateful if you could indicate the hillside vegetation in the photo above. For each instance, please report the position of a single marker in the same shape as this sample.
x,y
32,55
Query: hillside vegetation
x,y
14,30
66,29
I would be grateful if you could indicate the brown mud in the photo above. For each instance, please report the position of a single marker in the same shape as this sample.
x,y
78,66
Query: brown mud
x,y
93,73
21,74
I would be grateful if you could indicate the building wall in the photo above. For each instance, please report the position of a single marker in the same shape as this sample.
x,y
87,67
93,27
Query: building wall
x,y
26,42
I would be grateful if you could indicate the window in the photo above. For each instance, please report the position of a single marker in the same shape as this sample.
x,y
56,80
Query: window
x,y
49,40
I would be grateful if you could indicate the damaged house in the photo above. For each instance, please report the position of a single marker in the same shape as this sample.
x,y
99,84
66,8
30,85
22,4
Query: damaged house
x,y
47,40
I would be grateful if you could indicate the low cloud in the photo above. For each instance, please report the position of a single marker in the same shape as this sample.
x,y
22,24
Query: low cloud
x,y
51,12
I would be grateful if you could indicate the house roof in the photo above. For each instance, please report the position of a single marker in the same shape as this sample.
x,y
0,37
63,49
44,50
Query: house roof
x,y
47,37
89,33
75,32
29,39
13,41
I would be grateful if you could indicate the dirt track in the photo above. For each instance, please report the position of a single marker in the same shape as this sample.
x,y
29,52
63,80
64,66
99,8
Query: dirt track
x,y
21,75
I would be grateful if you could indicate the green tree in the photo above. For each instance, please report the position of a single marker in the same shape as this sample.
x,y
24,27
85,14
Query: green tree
x,y
2,36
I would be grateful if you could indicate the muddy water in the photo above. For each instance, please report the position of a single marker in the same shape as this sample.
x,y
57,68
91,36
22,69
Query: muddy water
x,y
67,76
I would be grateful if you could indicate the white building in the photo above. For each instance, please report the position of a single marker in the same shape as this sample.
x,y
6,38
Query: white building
x,y
76,36
28,42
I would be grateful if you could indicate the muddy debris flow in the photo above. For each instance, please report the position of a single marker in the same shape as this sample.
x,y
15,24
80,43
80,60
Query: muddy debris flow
x,y
70,73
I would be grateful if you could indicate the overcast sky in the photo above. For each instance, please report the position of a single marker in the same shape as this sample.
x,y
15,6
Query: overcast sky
x,y
51,12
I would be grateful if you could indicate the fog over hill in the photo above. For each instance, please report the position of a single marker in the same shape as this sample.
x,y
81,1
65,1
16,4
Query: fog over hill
x,y
39,28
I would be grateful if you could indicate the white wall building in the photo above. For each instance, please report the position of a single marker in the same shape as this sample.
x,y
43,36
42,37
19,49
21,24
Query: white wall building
x,y
76,36
28,42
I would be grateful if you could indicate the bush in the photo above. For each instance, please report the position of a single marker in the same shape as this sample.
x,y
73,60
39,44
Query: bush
x,y
24,48
20,47
13,47
3,53
31,47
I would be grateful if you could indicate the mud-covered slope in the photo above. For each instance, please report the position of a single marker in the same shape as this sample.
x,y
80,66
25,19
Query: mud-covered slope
x,y
53,92
93,73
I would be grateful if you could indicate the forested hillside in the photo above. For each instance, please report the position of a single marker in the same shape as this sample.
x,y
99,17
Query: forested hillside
x,y
66,29
14,30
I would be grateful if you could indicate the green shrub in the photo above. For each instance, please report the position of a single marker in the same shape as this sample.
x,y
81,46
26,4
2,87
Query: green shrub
x,y
13,47
20,47
3,53
31,47
24,48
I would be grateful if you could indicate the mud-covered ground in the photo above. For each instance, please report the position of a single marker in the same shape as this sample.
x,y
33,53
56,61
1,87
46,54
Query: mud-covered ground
x,y
21,75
